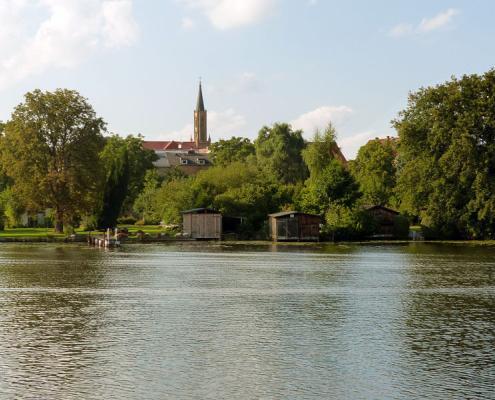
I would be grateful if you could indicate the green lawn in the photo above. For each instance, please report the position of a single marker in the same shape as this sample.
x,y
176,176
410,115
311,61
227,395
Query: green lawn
x,y
30,233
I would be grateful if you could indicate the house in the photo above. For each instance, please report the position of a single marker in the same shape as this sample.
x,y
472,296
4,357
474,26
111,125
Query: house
x,y
202,223
294,226
190,156
385,219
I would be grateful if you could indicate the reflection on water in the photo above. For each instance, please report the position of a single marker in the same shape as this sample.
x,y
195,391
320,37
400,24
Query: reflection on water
x,y
216,321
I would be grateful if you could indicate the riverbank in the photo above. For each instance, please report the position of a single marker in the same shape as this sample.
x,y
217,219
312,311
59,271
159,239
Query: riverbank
x,y
154,235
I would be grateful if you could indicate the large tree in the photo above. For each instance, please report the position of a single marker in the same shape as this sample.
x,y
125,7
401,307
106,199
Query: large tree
x,y
278,152
115,189
225,152
139,160
50,148
447,156
375,170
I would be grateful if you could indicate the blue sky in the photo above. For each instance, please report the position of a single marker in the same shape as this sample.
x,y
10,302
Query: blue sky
x,y
262,61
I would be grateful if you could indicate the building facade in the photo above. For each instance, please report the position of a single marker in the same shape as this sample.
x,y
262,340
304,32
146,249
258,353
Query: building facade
x,y
191,156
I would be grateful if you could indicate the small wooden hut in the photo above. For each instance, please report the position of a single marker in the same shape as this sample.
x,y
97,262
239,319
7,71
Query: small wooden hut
x,y
384,218
294,226
202,223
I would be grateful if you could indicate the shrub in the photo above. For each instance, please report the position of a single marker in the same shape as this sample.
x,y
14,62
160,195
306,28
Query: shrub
x,y
127,220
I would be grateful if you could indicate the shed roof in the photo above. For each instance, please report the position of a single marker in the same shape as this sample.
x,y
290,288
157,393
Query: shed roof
x,y
285,213
201,211
378,207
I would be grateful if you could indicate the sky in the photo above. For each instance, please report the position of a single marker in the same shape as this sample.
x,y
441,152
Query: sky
x,y
307,62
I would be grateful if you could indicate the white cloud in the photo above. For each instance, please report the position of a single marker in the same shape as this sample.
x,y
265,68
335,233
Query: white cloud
x,y
439,21
188,24
226,14
320,117
46,34
351,144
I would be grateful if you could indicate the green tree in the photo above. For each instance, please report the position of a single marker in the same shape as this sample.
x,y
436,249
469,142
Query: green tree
x,y
146,203
334,185
375,170
278,153
225,152
318,154
140,160
447,157
50,148
115,189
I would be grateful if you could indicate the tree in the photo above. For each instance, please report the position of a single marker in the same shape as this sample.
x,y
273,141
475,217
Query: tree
x,y
278,153
146,204
115,189
50,148
140,160
320,151
375,170
334,185
225,152
447,157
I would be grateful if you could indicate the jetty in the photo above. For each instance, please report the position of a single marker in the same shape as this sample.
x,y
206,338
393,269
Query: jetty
x,y
110,239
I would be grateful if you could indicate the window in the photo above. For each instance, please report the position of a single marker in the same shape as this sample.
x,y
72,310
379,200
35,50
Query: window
x,y
201,161
184,161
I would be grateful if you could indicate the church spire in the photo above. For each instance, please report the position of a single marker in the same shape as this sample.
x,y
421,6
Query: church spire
x,y
200,105
200,121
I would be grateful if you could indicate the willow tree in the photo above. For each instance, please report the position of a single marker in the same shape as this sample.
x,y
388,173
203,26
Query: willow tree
x,y
50,148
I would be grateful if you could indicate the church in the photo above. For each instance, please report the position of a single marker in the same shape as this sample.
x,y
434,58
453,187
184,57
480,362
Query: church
x,y
191,156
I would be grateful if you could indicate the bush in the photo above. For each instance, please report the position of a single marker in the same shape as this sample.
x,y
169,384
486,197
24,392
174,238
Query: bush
x,y
127,220
345,223
88,223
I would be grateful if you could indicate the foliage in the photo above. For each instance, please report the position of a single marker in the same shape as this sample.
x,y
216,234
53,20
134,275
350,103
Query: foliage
x,y
319,152
375,171
447,154
115,189
347,223
50,148
225,152
11,208
333,185
278,153
140,161
146,203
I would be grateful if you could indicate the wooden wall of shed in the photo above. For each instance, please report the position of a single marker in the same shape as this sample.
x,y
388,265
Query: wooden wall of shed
x,y
202,226
307,228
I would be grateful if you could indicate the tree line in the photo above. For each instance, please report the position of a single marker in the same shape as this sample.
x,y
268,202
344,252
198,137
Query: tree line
x,y
439,171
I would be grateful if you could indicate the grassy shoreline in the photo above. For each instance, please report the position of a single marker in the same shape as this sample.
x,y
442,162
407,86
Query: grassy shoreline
x,y
40,235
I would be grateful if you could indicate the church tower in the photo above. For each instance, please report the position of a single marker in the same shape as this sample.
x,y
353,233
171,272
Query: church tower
x,y
200,127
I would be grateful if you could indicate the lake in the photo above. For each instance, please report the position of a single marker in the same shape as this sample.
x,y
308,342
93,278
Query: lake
x,y
213,321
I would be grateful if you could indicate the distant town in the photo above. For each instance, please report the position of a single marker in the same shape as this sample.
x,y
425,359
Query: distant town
x,y
434,180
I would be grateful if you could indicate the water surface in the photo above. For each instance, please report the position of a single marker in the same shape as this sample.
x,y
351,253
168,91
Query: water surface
x,y
203,321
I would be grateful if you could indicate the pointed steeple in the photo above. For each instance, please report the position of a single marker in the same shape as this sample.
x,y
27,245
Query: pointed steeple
x,y
200,105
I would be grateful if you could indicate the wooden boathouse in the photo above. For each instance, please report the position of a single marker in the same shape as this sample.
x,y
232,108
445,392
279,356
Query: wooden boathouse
x,y
202,223
294,226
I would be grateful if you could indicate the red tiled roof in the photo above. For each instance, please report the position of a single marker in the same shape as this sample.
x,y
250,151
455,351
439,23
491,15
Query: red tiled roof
x,y
153,145
169,145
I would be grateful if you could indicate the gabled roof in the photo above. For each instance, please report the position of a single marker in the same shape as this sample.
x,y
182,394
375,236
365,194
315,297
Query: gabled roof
x,y
170,145
285,213
155,145
201,211
378,207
